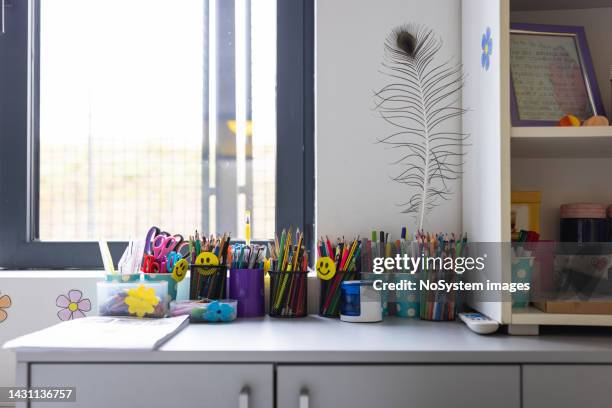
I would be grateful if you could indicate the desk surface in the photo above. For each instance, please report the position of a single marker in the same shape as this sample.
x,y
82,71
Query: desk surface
x,y
320,340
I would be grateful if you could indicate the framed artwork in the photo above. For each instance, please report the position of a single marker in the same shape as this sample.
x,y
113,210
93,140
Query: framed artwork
x,y
525,212
551,74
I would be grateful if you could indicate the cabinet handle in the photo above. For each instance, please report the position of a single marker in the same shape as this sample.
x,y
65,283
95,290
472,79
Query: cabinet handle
x,y
304,401
243,397
2,28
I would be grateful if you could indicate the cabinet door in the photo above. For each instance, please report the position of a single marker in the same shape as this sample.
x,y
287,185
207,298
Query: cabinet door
x,y
398,386
159,385
567,386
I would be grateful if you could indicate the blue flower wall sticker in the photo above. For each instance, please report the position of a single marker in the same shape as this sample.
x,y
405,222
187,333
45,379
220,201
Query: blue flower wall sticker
x,y
487,49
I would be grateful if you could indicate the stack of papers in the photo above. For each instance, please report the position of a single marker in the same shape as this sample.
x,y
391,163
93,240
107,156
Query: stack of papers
x,y
102,333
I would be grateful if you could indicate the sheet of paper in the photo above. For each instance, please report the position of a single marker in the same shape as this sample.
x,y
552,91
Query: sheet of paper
x,y
102,333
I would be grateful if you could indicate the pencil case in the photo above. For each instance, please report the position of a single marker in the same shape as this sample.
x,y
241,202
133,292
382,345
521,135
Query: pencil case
x,y
406,302
208,282
139,299
247,287
288,294
438,305
223,310
330,293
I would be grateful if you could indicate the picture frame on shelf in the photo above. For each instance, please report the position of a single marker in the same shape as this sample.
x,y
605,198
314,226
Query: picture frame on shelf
x,y
551,75
525,212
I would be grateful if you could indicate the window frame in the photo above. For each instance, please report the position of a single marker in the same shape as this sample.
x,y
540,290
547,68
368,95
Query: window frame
x,y
19,154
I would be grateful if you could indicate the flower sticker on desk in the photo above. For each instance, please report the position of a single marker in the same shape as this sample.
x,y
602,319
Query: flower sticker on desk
x,y
487,49
141,301
5,303
219,312
72,306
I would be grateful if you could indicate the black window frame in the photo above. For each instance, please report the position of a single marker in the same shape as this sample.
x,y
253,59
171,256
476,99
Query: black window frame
x,y
19,245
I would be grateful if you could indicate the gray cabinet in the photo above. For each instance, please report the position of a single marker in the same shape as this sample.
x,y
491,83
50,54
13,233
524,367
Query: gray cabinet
x,y
145,385
567,386
403,386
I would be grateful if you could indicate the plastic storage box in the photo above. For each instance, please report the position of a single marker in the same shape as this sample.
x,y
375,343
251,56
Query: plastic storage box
x,y
139,299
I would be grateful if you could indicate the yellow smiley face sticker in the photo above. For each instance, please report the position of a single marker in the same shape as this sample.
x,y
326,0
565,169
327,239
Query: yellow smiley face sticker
x,y
207,259
180,270
326,268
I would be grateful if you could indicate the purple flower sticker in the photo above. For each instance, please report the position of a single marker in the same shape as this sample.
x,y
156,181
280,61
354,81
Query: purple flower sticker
x,y
72,306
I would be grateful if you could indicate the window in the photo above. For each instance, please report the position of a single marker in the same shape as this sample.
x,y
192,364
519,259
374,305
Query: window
x,y
134,113
142,126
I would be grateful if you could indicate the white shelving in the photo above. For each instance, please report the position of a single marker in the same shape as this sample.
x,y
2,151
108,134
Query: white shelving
x,y
533,316
561,142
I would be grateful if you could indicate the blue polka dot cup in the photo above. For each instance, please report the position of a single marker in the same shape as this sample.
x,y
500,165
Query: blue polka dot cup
x,y
406,303
522,270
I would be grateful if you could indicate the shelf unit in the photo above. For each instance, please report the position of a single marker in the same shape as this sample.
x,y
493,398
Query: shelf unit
x,y
533,316
567,164
561,142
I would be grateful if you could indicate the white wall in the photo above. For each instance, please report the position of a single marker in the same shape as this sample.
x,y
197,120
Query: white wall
x,y
33,295
598,26
354,190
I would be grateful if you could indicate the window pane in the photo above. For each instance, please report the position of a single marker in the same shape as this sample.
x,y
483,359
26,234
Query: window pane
x,y
127,88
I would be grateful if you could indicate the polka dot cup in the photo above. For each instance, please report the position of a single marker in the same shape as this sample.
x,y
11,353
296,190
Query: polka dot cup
x,y
406,302
522,270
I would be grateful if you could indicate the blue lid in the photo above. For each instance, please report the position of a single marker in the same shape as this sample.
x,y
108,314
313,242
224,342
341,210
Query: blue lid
x,y
357,283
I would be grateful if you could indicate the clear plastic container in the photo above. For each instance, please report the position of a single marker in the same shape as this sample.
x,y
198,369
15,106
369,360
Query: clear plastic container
x,y
139,299
224,310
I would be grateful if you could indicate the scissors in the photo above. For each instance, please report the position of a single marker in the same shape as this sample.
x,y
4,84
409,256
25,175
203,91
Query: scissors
x,y
162,246
172,259
150,265
151,234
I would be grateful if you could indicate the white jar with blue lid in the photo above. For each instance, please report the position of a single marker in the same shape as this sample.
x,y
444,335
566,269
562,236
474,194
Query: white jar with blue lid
x,y
361,303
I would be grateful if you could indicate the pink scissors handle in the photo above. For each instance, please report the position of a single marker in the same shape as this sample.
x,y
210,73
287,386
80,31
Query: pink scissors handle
x,y
162,246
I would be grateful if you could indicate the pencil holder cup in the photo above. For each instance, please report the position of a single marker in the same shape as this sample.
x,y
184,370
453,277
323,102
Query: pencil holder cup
x,y
138,299
288,294
247,287
406,302
522,271
115,277
165,277
331,294
385,295
438,305
208,282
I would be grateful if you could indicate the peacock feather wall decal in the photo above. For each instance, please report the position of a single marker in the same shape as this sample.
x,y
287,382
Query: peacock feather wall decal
x,y
423,95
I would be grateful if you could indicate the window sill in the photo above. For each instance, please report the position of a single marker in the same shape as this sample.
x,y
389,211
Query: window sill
x,y
61,274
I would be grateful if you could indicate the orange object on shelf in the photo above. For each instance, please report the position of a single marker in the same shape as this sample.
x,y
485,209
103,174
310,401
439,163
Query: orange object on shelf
x,y
569,120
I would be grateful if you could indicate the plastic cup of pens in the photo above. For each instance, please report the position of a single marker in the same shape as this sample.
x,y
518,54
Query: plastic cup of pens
x,y
330,290
438,305
386,297
406,302
208,282
288,294
247,287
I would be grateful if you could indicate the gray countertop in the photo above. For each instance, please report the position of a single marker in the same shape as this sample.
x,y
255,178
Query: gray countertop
x,y
320,340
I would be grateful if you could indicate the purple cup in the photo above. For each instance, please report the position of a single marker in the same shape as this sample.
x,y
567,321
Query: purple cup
x,y
247,287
